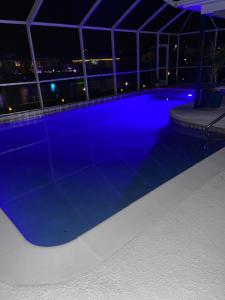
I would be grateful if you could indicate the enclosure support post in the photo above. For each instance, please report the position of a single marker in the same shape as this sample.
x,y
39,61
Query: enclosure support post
x,y
216,39
157,58
34,66
34,11
83,63
167,60
200,62
178,57
138,59
114,61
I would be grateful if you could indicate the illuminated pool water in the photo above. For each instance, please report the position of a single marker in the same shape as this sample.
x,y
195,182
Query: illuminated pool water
x,y
63,174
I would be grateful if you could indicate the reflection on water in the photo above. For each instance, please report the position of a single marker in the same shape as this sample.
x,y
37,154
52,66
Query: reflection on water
x,y
66,173
18,97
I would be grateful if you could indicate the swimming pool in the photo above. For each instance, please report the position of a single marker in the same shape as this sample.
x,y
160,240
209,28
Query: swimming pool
x,y
63,174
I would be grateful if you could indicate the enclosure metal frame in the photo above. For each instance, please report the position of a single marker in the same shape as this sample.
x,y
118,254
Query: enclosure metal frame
x,y
30,21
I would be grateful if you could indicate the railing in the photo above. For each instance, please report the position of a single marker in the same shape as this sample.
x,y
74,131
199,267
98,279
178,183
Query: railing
x,y
213,123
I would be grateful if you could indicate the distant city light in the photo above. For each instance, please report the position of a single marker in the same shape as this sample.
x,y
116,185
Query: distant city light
x,y
126,83
74,71
175,46
94,62
53,87
185,59
63,100
190,95
10,108
168,73
84,89
121,90
94,59
17,64
144,86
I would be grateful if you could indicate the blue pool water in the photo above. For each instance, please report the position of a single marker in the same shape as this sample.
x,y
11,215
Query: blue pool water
x,y
63,174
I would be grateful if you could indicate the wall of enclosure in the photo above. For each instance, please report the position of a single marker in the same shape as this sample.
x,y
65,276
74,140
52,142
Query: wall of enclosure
x,y
47,59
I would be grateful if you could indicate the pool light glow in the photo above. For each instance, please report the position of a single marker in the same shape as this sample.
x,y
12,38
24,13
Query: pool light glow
x,y
53,87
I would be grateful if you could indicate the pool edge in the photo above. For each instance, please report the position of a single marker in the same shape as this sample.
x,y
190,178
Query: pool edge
x,y
25,264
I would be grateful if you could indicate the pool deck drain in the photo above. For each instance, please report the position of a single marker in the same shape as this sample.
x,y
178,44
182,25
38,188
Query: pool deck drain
x,y
170,244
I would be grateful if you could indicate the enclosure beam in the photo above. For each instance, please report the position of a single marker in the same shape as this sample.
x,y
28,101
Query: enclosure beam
x,y
157,57
138,59
78,26
216,33
154,32
34,65
13,22
34,11
108,29
127,12
90,12
216,39
185,22
17,83
114,61
167,61
172,21
208,30
178,44
178,57
46,24
213,22
83,63
150,19
197,101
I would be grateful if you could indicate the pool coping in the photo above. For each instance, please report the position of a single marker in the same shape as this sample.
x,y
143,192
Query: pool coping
x,y
35,113
38,113
25,264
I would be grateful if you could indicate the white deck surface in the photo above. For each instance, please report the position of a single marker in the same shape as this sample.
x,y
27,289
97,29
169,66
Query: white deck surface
x,y
168,245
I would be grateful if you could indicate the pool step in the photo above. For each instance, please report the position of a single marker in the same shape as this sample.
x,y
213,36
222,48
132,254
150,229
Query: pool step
x,y
214,135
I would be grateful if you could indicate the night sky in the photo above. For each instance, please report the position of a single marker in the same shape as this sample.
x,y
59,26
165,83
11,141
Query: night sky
x,y
50,42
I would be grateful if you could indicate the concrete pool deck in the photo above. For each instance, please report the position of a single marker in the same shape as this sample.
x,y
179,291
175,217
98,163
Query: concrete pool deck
x,y
170,244
187,116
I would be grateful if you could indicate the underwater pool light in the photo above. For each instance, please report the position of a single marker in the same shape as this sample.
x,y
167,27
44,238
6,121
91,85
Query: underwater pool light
x,y
190,95
53,87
